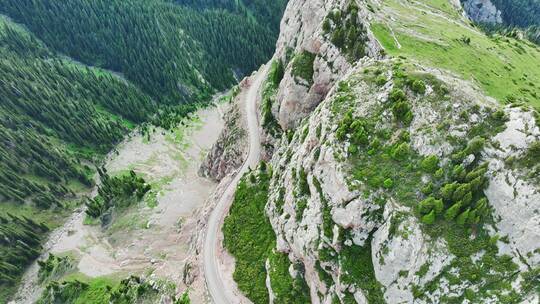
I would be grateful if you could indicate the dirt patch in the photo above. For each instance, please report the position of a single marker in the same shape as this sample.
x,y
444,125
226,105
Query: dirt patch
x,y
154,235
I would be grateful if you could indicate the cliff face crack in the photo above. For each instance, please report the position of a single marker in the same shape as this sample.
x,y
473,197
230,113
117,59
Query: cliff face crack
x,y
218,290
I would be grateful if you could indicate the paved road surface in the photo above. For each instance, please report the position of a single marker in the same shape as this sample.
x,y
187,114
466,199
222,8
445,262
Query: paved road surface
x,y
217,289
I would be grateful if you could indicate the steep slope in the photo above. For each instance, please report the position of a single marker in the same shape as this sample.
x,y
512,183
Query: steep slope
x,y
172,52
500,65
266,13
54,114
506,16
392,180
520,13
155,62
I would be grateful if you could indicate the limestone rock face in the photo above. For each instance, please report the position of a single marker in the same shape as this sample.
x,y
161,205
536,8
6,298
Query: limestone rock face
x,y
322,209
229,151
482,11
301,31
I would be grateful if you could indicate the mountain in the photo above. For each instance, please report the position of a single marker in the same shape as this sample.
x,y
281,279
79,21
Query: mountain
x,y
172,52
54,113
78,76
402,155
503,16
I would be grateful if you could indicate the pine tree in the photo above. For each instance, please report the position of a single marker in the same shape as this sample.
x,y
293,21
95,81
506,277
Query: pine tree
x,y
429,218
453,211
463,217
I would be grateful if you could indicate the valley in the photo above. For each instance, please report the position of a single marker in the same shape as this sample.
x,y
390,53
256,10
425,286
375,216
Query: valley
x,y
292,152
151,238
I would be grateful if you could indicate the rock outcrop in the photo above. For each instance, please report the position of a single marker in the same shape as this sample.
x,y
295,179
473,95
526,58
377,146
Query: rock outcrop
x,y
482,11
393,182
229,151
335,199
303,31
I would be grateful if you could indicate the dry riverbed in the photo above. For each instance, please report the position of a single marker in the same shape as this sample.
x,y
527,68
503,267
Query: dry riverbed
x,y
152,238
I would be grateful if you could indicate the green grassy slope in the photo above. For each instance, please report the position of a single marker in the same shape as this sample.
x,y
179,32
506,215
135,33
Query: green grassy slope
x,y
433,33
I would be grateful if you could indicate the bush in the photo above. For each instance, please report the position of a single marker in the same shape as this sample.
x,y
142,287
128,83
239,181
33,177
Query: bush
x,y
388,183
452,212
447,191
419,87
458,172
303,183
353,149
439,173
402,112
397,95
430,164
429,219
427,189
118,191
463,217
302,66
475,145
431,204
401,151
460,192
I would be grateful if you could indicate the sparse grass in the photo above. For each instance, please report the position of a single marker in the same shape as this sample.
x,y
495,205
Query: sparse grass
x,y
500,65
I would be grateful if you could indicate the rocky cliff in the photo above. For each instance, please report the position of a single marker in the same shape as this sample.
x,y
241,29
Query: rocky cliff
x,y
399,187
319,42
482,11
394,180
229,151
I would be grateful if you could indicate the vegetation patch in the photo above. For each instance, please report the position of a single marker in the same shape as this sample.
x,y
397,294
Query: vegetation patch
x,y
302,66
249,237
20,244
286,288
346,31
275,75
105,290
116,192
358,270
54,267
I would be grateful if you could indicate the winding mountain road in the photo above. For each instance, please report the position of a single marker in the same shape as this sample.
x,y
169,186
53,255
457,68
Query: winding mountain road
x,y
219,292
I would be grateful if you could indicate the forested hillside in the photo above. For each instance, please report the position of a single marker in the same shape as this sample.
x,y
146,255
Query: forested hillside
x,y
172,52
266,12
53,114
520,13
515,14
58,116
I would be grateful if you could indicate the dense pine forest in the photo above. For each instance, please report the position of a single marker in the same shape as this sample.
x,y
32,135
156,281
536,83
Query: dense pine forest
x,y
53,115
170,51
77,76
266,12
520,14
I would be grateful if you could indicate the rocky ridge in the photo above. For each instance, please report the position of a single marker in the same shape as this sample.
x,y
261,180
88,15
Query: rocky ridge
x,y
391,181
322,209
303,31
